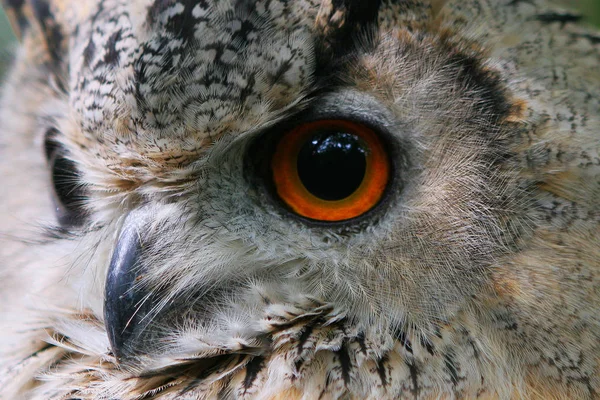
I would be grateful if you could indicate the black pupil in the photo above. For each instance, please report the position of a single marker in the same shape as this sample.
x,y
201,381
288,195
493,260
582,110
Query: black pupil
x,y
332,164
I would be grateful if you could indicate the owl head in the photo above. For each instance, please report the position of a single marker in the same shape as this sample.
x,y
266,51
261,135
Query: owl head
x,y
280,198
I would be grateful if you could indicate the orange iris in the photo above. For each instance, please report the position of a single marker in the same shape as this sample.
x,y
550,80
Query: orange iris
x,y
330,170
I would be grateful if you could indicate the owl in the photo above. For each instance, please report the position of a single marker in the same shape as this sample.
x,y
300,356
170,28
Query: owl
x,y
309,199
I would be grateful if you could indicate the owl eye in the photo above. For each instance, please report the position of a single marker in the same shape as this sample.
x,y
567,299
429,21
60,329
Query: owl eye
x,y
68,195
330,170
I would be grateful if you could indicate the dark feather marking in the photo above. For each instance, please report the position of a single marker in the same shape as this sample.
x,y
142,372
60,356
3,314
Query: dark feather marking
x,y
563,18
47,346
89,52
302,320
181,24
308,329
485,86
427,344
200,370
360,339
111,56
405,342
517,2
472,343
381,369
451,368
252,370
414,374
593,38
345,363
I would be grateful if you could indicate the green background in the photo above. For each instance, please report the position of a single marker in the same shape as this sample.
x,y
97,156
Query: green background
x,y
590,8
6,40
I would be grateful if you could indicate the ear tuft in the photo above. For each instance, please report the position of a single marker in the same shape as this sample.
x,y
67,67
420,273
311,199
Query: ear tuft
x,y
37,16
338,22
15,10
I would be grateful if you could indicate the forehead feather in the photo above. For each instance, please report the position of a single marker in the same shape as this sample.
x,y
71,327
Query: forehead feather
x,y
187,70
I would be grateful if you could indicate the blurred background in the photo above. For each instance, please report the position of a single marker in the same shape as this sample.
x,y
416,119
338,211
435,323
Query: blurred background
x,y
589,8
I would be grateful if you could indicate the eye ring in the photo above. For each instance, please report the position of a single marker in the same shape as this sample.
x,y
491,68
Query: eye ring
x,y
292,189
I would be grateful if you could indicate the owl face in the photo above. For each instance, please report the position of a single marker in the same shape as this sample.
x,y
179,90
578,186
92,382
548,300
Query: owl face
x,y
249,173
209,140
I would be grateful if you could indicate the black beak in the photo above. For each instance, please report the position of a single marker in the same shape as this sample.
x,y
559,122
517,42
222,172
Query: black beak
x,y
125,305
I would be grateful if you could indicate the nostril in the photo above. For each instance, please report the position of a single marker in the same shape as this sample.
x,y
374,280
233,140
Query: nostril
x,y
125,305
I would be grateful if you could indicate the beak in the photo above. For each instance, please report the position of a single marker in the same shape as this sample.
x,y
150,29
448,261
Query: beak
x,y
125,306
